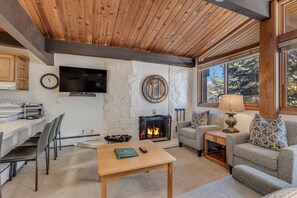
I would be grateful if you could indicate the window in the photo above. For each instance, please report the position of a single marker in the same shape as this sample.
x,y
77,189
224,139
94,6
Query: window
x,y
236,77
213,83
243,79
290,16
289,82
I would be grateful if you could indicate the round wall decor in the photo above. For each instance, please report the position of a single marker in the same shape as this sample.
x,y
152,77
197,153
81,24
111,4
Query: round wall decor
x,y
155,88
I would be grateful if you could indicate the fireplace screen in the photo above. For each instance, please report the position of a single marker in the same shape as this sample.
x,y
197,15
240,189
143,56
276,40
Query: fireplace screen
x,y
157,128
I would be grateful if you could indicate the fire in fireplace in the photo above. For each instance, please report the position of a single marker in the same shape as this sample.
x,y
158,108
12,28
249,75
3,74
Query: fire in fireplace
x,y
157,128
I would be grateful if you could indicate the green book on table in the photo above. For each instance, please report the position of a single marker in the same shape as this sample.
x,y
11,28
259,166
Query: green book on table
x,y
125,152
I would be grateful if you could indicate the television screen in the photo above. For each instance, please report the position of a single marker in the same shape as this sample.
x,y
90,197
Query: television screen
x,y
74,79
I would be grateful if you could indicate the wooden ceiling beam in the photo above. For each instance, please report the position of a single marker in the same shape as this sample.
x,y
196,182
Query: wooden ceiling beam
x,y
75,48
256,9
15,21
238,29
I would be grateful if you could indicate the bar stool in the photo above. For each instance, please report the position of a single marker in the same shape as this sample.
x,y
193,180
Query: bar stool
x,y
59,134
30,153
33,142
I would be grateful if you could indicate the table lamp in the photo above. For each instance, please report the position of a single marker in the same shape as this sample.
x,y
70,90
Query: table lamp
x,y
231,103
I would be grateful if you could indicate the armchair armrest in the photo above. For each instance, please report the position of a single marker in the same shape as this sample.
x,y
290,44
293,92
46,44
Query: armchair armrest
x,y
287,164
180,125
258,181
200,134
233,139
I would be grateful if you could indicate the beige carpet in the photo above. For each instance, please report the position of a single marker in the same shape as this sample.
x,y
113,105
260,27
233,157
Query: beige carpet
x,y
74,175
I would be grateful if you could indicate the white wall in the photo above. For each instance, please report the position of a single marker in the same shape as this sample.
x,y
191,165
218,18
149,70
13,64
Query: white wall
x,y
118,110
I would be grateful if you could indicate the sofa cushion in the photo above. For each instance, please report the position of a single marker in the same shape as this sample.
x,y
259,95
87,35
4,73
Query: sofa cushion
x,y
259,155
199,119
272,135
188,132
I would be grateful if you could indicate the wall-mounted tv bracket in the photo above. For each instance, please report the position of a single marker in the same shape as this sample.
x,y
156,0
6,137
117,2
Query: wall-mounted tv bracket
x,y
82,94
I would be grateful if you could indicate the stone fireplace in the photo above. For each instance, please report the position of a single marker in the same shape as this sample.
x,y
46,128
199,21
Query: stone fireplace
x,y
156,128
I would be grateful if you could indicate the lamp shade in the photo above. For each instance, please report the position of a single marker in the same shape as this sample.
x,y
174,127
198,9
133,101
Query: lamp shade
x,y
231,102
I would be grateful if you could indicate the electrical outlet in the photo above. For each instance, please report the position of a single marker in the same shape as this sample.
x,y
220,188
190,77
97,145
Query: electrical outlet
x,y
154,111
92,131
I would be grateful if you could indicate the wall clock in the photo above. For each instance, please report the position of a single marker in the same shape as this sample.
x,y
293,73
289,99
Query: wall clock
x,y
49,81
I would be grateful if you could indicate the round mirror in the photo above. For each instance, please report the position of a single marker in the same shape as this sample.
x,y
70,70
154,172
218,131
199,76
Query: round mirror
x,y
155,88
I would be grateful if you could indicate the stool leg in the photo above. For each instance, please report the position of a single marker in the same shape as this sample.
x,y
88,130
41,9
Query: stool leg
x,y
55,149
14,165
10,171
46,160
60,142
36,174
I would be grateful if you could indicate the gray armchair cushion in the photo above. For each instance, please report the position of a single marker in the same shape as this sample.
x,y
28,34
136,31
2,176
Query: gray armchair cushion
x,y
259,155
257,180
291,132
188,132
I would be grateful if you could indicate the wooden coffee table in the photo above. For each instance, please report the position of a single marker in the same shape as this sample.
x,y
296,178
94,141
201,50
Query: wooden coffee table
x,y
109,167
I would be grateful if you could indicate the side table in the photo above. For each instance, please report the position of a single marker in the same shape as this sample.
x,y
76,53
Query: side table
x,y
218,154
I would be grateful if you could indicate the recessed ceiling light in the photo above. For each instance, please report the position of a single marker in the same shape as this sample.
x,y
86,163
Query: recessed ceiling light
x,y
219,1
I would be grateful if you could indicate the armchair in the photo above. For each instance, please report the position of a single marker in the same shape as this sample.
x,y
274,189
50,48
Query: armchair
x,y
281,164
195,137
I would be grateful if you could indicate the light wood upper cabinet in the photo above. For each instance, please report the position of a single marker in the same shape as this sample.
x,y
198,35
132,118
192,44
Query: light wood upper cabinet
x,y
15,69
7,69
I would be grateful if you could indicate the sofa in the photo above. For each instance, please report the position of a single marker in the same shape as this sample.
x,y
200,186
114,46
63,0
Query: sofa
x,y
280,164
245,182
195,137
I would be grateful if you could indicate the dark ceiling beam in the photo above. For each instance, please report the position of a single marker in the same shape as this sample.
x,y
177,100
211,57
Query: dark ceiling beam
x,y
256,9
7,40
66,47
15,21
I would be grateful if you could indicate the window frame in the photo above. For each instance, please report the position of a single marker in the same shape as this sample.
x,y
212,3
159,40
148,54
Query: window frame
x,y
286,40
200,102
284,109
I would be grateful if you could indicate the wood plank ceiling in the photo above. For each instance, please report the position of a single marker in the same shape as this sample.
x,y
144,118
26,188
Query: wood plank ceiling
x,y
185,28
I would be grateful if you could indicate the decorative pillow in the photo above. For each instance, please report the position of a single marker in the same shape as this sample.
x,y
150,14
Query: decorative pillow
x,y
199,119
272,135
283,193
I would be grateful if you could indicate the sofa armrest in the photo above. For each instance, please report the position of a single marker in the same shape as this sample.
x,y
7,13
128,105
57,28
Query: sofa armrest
x,y
233,139
258,181
180,125
287,164
200,131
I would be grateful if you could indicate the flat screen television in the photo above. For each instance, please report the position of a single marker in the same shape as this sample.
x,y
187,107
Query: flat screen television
x,y
73,79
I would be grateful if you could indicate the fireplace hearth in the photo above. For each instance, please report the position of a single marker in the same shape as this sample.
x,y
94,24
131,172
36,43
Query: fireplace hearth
x,y
156,128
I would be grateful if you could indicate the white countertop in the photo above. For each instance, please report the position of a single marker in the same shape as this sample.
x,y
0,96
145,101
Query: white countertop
x,y
10,128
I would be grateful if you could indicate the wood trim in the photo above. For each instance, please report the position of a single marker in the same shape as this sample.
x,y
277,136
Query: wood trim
x,y
55,46
287,36
289,111
268,62
255,9
17,23
246,24
229,56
